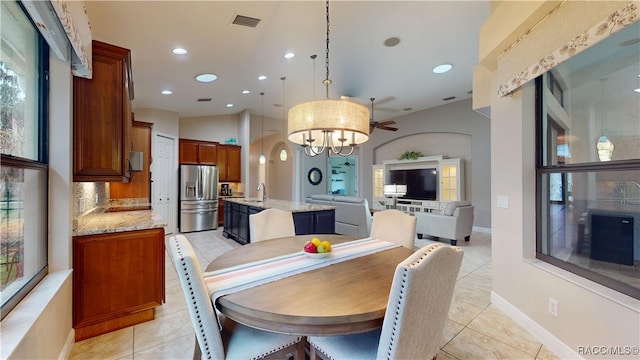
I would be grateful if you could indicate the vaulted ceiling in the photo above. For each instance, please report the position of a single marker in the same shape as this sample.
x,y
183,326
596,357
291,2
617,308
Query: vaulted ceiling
x,y
364,63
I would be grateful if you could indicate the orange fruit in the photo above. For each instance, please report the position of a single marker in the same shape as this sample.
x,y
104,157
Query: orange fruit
x,y
327,245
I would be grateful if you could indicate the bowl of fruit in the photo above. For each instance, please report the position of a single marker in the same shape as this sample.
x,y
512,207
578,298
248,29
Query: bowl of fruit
x,y
316,248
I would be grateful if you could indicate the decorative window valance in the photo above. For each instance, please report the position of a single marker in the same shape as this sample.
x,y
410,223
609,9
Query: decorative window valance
x,y
620,19
63,23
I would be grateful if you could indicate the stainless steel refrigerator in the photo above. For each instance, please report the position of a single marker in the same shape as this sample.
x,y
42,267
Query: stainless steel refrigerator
x,y
198,198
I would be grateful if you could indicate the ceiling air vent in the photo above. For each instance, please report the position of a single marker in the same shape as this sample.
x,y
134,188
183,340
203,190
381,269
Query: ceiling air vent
x,y
245,21
449,98
204,99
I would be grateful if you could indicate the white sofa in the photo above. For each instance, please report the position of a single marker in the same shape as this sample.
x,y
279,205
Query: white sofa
x,y
455,223
352,213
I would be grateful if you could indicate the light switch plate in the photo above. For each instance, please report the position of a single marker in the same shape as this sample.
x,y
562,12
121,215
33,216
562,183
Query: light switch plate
x,y
503,201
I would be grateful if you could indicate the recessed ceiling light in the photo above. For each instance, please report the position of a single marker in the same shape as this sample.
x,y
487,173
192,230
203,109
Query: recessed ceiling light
x,y
391,42
289,55
441,69
166,92
229,105
205,78
246,91
637,90
179,51
262,77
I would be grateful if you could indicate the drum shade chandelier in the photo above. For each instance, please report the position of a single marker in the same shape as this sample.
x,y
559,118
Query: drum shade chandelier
x,y
328,124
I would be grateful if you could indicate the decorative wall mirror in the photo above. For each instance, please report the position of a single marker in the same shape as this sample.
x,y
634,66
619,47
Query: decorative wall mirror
x,y
314,176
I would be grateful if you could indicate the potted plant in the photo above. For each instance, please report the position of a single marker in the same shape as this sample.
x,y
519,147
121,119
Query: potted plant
x,y
410,155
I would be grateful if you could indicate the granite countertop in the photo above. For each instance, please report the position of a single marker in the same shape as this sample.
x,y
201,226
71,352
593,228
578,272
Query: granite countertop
x,y
119,220
281,204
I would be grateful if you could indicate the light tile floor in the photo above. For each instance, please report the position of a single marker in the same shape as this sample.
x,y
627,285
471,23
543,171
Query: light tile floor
x,y
476,329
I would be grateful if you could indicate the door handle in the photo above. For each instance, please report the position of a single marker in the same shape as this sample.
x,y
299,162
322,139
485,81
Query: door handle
x,y
198,211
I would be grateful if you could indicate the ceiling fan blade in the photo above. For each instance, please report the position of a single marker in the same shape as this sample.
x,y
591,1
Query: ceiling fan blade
x,y
384,123
390,110
387,128
384,100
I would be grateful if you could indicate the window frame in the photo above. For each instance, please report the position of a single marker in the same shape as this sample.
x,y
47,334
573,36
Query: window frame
x,y
42,164
564,169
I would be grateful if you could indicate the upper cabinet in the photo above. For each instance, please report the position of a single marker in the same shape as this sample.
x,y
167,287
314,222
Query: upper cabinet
x,y
229,163
102,117
140,184
198,152
225,157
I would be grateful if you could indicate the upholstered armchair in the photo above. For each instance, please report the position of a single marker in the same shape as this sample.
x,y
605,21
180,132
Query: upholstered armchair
x,y
454,223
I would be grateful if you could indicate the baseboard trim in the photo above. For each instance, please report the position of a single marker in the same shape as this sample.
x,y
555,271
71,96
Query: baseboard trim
x,y
560,349
480,229
68,346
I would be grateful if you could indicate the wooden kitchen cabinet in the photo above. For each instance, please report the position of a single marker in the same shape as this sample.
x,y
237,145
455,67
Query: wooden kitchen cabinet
x,y
225,157
229,168
102,116
198,152
118,279
140,184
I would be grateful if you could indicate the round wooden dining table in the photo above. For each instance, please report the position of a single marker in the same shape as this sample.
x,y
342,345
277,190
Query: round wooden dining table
x,y
342,298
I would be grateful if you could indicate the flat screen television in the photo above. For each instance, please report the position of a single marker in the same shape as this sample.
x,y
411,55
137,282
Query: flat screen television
x,y
422,184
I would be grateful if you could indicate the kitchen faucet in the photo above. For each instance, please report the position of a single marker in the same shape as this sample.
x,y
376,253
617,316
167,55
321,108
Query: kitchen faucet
x,y
264,192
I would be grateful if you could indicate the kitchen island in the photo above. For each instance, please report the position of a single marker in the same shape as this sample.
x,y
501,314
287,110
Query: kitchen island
x,y
307,218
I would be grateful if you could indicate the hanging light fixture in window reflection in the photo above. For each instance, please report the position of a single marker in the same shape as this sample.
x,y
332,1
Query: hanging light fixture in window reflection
x,y
283,152
604,145
263,159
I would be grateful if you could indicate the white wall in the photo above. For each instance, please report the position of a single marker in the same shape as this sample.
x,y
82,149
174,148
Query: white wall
x,y
210,128
164,122
589,314
454,118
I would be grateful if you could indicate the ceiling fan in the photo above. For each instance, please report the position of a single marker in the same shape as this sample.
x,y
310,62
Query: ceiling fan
x,y
380,125
347,163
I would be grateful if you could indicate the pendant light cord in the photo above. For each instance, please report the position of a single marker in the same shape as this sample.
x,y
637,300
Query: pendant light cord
x,y
283,110
602,125
262,116
327,81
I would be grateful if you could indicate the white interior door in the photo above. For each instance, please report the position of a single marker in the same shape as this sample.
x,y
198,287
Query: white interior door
x,y
163,199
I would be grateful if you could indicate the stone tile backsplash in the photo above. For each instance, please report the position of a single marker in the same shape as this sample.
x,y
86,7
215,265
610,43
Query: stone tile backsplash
x,y
88,196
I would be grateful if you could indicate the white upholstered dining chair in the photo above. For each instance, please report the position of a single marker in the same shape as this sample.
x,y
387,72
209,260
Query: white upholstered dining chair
x,y
234,340
416,313
271,224
394,226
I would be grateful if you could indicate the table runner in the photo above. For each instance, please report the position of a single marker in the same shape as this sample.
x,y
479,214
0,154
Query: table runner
x,y
236,278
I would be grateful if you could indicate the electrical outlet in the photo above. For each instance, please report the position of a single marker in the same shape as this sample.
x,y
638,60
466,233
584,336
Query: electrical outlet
x,y
79,205
553,306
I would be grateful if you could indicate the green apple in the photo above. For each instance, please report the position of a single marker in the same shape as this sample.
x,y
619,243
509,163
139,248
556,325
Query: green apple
x,y
322,248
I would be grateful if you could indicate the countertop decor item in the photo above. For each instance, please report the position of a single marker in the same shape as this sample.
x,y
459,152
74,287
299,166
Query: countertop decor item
x,y
410,155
